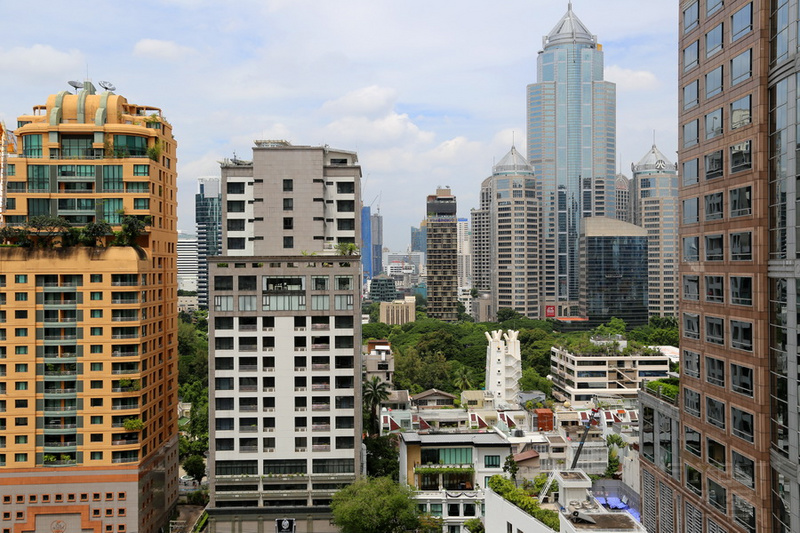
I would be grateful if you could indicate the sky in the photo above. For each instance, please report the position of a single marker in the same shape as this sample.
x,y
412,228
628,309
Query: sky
x,y
429,93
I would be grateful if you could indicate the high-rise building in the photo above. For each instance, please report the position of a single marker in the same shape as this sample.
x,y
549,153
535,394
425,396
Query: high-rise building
x,y
88,319
613,271
622,186
376,228
366,245
737,411
463,241
505,234
419,238
187,264
655,208
572,146
441,259
208,221
285,338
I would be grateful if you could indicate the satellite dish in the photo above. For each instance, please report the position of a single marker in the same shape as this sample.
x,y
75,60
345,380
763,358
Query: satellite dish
x,y
76,85
107,85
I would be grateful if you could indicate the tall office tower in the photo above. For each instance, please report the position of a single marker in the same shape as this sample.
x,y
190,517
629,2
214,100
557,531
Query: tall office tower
x,y
285,339
376,227
366,246
419,237
441,259
622,186
655,208
737,414
481,248
187,264
88,332
613,271
506,236
572,146
463,238
208,221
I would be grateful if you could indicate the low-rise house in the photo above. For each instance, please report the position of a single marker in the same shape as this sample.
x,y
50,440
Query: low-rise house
x,y
432,399
449,472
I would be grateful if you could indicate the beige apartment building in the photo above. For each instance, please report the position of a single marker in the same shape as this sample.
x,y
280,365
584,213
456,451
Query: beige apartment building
x,y
88,326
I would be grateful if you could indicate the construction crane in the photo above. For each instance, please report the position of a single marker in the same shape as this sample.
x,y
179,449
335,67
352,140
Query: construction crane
x,y
593,417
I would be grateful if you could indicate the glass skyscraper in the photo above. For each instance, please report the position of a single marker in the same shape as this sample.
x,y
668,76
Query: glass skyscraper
x,y
572,147
208,220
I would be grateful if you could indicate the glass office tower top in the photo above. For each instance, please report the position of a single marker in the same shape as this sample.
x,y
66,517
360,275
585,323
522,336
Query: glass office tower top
x,y
572,144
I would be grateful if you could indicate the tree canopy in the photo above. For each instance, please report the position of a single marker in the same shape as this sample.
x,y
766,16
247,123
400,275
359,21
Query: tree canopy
x,y
375,505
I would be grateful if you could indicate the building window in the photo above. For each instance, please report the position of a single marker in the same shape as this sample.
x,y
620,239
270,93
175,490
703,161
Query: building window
x,y
713,164
235,224
717,496
715,412
691,402
741,67
235,206
96,313
141,170
717,454
715,330
288,242
691,287
742,379
741,249
691,364
741,157
288,185
742,424
690,133
742,335
691,248
690,95
694,480
741,290
742,22
491,461
141,203
95,296
223,303
714,40
714,82
713,205
20,296
690,211
691,326
692,441
714,289
690,172
744,470
741,112
713,122
691,56
715,371
714,251
740,200
236,243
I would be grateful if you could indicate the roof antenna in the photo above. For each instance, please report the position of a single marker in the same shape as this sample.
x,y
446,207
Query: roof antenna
x,y
654,137
512,139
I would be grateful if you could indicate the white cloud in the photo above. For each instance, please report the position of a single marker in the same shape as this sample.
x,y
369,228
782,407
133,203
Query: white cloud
x,y
40,61
370,101
164,50
631,80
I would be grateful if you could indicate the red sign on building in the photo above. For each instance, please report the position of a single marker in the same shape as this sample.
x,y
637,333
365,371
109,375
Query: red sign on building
x,y
550,311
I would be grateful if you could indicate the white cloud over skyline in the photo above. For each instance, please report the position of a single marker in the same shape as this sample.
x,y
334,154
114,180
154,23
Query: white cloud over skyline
x,y
426,93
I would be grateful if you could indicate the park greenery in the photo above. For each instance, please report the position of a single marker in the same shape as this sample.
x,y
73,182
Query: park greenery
x,y
451,357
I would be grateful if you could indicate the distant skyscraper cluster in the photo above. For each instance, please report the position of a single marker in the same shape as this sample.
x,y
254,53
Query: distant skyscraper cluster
x,y
208,222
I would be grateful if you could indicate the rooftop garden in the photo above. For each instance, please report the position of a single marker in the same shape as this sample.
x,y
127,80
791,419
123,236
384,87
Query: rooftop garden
x,y
50,232
525,499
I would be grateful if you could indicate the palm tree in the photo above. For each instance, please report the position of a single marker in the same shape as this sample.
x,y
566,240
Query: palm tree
x,y
375,392
462,378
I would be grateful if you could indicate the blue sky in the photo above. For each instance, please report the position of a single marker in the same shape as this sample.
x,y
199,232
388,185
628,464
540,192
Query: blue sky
x,y
428,93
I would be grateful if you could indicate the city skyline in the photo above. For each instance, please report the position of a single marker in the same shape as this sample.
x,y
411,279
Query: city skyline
x,y
438,109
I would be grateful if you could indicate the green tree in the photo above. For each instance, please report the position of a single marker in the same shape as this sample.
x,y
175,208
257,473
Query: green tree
x,y
375,330
531,380
195,466
93,232
462,378
474,525
375,392
347,248
382,456
613,462
375,505
505,314
511,467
